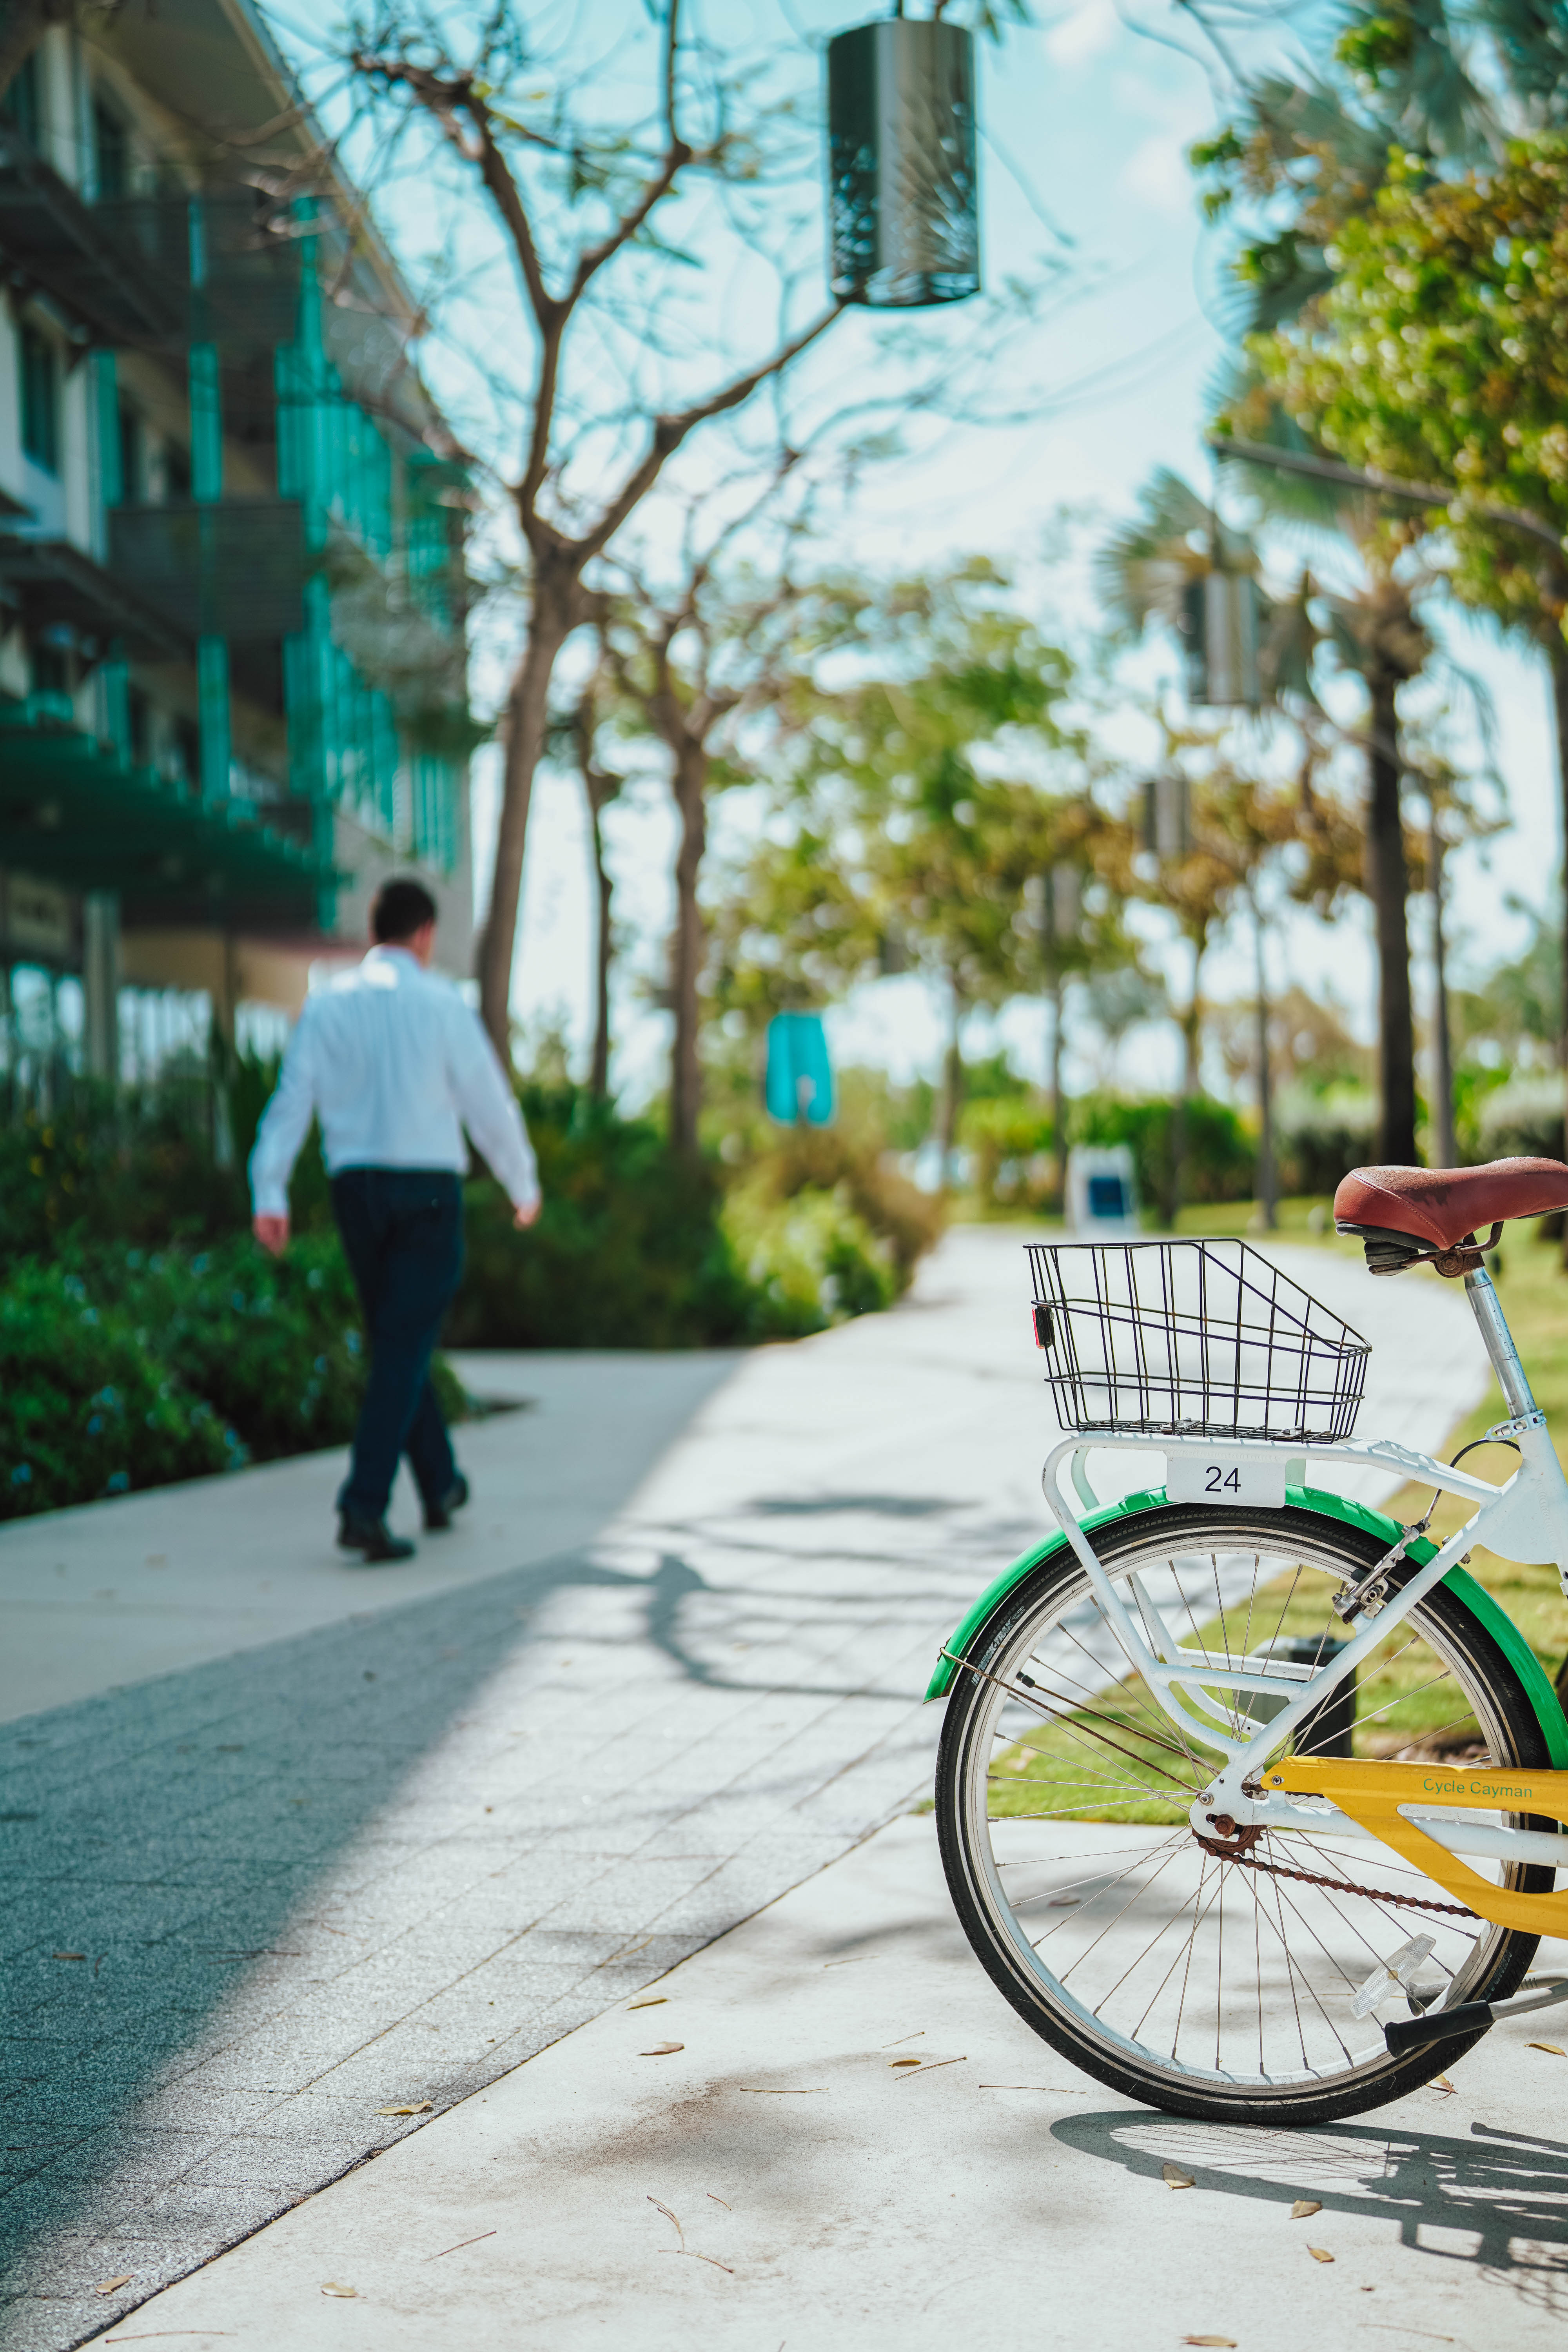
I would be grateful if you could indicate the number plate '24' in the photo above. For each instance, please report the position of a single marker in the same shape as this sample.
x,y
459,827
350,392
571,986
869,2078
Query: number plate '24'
x,y
1256,1480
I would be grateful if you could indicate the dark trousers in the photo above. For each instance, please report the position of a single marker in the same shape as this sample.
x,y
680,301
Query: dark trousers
x,y
402,1234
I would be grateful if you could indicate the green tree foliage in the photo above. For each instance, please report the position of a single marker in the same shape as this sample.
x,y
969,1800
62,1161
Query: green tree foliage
x,y
1440,356
907,831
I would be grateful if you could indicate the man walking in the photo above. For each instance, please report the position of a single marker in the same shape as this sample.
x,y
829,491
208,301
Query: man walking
x,y
395,1065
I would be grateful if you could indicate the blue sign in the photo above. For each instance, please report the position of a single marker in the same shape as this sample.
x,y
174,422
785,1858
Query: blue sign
x,y
800,1077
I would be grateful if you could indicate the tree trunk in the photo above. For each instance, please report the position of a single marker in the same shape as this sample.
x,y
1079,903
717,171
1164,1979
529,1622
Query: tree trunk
x,y
599,1071
1191,1025
1059,1107
689,947
555,614
1388,886
1267,1193
952,1089
1442,1041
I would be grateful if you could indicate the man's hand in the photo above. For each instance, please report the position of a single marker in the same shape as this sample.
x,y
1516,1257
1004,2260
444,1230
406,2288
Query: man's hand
x,y
523,1218
272,1232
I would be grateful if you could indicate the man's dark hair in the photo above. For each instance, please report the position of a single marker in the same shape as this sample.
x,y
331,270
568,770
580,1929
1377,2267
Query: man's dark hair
x,y
400,909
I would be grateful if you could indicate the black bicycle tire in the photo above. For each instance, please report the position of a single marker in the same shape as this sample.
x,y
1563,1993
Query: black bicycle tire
x,y
1298,2106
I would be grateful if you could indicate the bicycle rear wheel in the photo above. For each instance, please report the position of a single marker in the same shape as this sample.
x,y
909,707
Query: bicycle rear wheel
x,y
1210,1987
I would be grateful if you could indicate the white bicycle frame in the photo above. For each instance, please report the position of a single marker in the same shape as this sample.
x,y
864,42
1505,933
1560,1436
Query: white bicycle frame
x,y
1525,1519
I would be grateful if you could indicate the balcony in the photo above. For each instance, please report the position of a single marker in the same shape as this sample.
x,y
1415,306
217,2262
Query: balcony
x,y
229,568
121,271
56,585
74,812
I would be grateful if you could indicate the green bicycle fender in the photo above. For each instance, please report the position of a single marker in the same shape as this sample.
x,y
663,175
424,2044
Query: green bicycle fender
x,y
1471,1595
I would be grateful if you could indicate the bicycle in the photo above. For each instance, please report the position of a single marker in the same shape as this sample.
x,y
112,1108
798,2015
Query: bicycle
x,y
1211,1749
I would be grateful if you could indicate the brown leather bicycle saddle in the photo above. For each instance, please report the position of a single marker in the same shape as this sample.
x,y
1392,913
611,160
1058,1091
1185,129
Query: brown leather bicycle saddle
x,y
1414,1216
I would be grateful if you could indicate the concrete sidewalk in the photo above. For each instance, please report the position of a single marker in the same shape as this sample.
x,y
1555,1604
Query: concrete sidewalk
x,y
776,2180
671,1668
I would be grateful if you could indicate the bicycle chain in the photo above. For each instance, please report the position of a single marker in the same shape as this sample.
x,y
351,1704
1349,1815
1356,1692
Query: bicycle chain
x,y
1337,1886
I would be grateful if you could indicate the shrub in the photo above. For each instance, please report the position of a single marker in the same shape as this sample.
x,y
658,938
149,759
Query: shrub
x,y
1320,1137
634,1248
1009,1140
274,1344
848,1160
1524,1117
628,1251
1218,1158
124,1369
87,1406
810,1260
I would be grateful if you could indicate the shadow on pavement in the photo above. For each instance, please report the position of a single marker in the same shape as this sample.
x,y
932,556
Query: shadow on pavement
x,y
1498,2198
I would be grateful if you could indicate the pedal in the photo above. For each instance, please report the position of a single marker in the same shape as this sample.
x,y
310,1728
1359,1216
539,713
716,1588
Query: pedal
x,y
1470,2017
1395,1973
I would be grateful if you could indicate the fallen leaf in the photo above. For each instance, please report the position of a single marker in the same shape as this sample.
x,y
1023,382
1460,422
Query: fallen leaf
x,y
1229,2341
412,2108
1303,2206
1555,2048
672,2220
1174,2178
110,2284
779,2090
1441,2082
903,2038
692,2255
1320,2253
657,2001
1059,2089
332,2287
721,2200
460,2244
903,2061
81,1956
930,2065
1064,1902
662,2050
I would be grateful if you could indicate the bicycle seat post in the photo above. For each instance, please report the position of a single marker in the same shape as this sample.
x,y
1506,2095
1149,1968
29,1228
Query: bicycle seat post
x,y
1486,1308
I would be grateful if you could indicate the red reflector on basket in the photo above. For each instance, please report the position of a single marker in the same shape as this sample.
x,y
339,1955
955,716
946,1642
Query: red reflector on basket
x,y
1044,1334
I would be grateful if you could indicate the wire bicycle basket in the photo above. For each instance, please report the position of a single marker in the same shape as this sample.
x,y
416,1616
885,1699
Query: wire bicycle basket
x,y
1192,1338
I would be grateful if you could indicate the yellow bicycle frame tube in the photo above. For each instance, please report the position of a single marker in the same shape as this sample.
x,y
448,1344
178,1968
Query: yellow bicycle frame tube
x,y
1373,1794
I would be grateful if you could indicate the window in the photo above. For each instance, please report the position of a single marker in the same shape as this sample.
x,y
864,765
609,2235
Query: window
x,y
139,725
129,424
111,152
40,400
19,105
176,471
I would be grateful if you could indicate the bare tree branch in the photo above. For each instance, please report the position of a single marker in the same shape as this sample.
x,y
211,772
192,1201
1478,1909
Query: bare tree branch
x,y
669,431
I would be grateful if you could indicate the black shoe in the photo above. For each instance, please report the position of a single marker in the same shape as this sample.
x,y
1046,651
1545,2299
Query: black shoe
x,y
374,1537
440,1514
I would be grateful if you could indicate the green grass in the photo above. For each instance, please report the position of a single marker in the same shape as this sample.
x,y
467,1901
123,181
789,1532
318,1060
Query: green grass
x,y
1534,1287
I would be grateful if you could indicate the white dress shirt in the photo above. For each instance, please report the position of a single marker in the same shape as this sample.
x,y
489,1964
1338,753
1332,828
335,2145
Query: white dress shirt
x,y
395,1065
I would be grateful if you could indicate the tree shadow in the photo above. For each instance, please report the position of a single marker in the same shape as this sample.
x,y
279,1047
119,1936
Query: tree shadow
x,y
1505,2192
173,1833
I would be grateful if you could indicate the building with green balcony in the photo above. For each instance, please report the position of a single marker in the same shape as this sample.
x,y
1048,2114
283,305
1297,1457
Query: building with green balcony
x,y
233,588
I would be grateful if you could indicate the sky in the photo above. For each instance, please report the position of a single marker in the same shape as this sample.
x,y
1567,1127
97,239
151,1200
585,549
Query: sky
x,y
1085,123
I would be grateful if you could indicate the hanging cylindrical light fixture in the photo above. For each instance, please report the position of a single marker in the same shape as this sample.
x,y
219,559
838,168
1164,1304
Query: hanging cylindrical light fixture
x,y
1220,627
902,194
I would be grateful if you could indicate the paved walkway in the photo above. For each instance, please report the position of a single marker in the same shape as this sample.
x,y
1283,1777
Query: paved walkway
x,y
777,2180
460,1807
